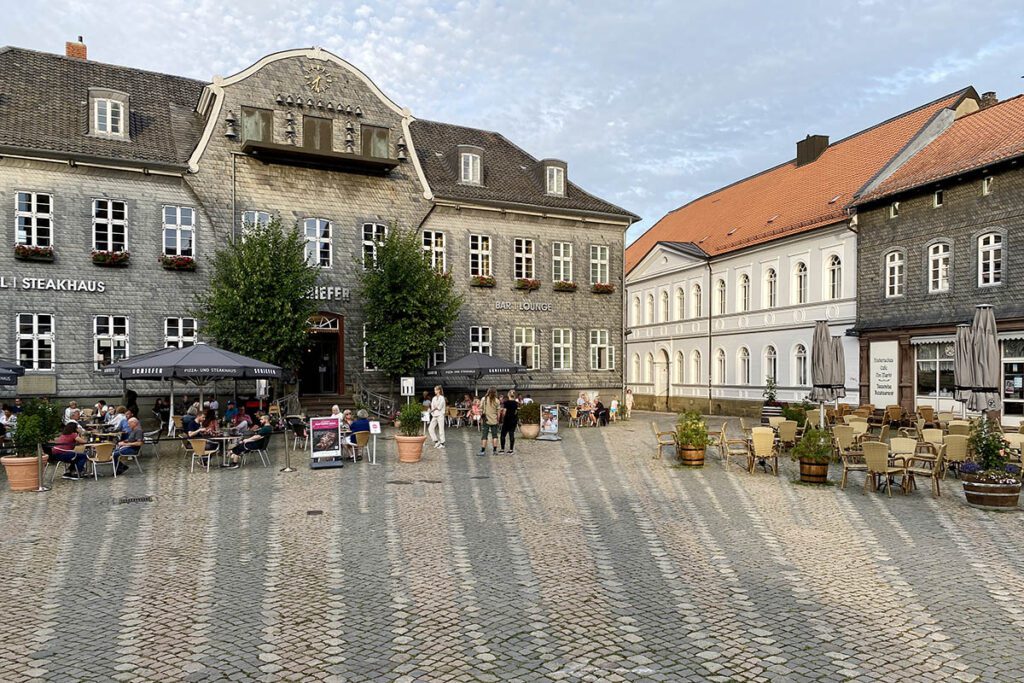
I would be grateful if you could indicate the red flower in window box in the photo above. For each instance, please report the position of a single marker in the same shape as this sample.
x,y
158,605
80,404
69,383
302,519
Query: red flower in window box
x,y
602,288
27,252
178,263
110,259
529,284
482,281
564,286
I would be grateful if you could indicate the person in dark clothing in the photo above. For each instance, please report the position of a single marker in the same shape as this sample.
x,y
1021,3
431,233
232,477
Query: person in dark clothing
x,y
63,449
131,401
600,414
509,421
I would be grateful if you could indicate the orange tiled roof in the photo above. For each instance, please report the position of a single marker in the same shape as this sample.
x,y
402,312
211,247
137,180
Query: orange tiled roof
x,y
787,199
975,141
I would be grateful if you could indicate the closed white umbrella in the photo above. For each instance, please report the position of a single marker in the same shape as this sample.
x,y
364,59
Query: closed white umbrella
x,y
822,359
963,364
986,395
838,369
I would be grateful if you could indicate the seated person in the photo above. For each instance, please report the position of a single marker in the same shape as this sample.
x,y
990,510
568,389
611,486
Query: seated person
x,y
240,422
129,444
600,415
63,450
116,420
231,411
361,424
252,443
76,419
346,418
72,407
474,411
8,420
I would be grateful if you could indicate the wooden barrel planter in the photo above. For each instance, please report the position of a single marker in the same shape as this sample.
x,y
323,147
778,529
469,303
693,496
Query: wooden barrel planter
x,y
987,496
690,457
813,472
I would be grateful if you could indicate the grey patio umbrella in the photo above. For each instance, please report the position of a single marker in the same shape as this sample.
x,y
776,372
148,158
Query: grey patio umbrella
x,y
963,364
10,372
822,360
475,366
986,395
838,369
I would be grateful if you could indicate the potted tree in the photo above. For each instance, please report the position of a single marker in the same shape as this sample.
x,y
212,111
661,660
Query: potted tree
x,y
771,406
410,435
38,423
989,482
529,420
691,439
814,452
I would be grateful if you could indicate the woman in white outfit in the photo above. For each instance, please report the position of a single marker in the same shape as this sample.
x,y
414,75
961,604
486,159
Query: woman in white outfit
x,y
438,410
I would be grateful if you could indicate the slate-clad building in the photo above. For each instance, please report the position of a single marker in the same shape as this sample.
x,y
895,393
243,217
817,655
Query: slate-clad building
x,y
123,183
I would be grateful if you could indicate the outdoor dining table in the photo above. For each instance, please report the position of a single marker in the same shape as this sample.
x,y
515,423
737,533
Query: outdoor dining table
x,y
105,436
223,441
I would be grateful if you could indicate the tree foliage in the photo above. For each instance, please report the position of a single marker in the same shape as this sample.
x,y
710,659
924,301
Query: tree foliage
x,y
408,307
258,300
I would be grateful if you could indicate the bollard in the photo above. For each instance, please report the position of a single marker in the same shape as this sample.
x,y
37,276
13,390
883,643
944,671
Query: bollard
x,y
287,461
39,457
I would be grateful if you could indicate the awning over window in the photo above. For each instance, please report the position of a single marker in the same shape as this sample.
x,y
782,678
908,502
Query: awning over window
x,y
933,339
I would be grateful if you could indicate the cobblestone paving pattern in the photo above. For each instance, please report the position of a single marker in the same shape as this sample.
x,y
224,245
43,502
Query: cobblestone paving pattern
x,y
583,560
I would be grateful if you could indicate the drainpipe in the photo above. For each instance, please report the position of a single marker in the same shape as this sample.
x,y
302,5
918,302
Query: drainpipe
x,y
710,304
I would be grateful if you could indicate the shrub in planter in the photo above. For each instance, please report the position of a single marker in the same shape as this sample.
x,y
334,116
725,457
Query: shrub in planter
x,y
796,412
564,286
482,281
38,423
410,435
529,284
27,252
990,482
110,258
691,438
602,288
529,420
813,451
178,263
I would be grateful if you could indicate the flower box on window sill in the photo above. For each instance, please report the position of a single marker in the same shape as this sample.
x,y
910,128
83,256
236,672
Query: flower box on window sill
x,y
178,263
527,284
110,259
602,288
26,252
482,281
564,286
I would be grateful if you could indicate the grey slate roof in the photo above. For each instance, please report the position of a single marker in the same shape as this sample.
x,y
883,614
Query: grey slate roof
x,y
508,177
44,106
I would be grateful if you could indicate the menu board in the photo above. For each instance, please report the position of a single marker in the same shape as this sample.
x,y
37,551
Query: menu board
x,y
549,419
325,437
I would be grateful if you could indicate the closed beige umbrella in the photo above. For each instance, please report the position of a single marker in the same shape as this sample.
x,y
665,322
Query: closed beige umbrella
x,y
838,369
822,360
963,364
986,395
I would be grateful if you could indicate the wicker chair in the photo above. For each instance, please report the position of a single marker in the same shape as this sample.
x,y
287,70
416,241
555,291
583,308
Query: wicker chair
x,y
931,468
954,453
763,442
933,437
730,447
102,454
664,439
876,458
787,430
853,461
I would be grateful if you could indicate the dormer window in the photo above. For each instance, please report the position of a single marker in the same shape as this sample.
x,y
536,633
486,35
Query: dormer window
x,y
555,180
108,113
470,164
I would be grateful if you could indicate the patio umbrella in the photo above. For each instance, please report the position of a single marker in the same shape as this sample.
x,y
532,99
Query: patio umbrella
x,y
822,360
475,366
986,395
963,364
838,369
10,372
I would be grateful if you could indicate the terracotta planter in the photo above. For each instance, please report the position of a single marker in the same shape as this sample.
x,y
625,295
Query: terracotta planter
x,y
690,457
813,472
990,496
22,473
410,448
529,431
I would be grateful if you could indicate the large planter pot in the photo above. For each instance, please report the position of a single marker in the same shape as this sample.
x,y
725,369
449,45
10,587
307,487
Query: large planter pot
x,y
990,496
22,473
529,431
410,448
690,457
813,472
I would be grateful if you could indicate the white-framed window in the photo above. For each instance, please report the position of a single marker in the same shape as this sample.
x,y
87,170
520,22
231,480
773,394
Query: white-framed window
x,y
743,293
319,236
680,367
771,288
720,297
180,332
556,180
894,210
990,259
372,235
35,333
561,261
108,116
109,225
433,248
649,310
470,164
680,303
438,356
561,348
523,259
895,274
800,365
938,267
696,377
635,313
367,365
179,231
800,287
252,220
598,264
771,363
986,185
111,339
835,277
743,361
937,198
33,219
480,255
697,301
635,374
720,366
480,340
648,368
663,306
526,349
602,353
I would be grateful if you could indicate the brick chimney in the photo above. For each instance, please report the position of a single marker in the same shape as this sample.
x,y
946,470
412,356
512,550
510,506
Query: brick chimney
x,y
810,148
988,99
76,50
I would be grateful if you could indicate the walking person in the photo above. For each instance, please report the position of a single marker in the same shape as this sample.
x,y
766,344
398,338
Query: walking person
x,y
438,412
629,404
490,409
509,422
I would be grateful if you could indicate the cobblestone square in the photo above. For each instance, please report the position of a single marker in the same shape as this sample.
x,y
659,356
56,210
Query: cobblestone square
x,y
584,560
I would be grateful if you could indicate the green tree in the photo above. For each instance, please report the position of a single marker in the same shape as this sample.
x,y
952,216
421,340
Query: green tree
x,y
408,307
258,300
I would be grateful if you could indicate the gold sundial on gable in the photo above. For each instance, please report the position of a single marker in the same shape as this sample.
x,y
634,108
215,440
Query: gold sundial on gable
x,y
318,78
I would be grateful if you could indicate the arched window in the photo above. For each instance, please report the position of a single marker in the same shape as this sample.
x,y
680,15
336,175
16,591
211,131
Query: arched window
x,y
680,367
720,366
771,288
720,297
680,303
938,267
696,376
744,293
771,363
990,259
663,313
649,313
636,366
697,305
648,368
835,277
895,274
744,366
800,365
636,311
800,283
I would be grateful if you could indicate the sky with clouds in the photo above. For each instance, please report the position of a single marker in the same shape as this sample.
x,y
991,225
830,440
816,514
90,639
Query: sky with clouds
x,y
651,103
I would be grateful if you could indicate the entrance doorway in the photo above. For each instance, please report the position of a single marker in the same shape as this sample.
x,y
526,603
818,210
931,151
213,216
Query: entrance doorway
x,y
323,363
661,383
